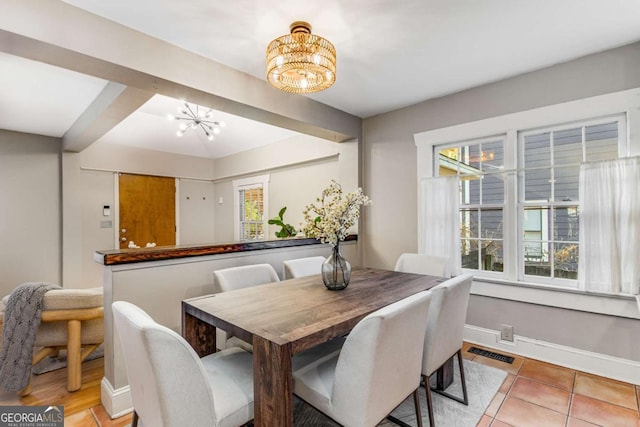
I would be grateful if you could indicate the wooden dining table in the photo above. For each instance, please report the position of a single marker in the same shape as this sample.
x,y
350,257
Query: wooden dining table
x,y
284,318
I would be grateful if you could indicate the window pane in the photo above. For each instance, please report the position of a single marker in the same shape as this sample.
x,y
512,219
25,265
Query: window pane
x,y
535,230
473,156
492,189
567,146
469,223
565,224
537,151
566,183
491,255
469,253
491,224
536,259
566,260
602,142
470,190
492,156
537,185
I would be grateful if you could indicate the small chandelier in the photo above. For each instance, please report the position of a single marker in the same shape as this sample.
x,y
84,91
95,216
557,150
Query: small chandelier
x,y
197,117
301,62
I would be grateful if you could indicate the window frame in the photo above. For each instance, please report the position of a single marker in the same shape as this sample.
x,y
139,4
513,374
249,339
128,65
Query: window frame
x,y
625,102
260,181
522,203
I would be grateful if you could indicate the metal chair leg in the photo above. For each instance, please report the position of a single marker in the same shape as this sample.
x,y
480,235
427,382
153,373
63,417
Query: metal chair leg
x,y
464,400
427,391
416,403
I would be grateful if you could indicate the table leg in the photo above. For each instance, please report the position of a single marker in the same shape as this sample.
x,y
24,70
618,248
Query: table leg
x,y
272,384
445,375
199,334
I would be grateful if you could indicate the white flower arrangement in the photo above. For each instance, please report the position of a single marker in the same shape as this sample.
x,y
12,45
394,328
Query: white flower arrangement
x,y
330,221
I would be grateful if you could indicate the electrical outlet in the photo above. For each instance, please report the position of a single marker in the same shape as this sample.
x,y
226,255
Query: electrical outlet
x,y
506,333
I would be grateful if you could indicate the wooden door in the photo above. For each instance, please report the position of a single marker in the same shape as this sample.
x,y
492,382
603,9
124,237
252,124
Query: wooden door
x,y
147,210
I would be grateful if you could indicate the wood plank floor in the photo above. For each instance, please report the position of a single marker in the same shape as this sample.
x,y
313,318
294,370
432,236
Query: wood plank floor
x,y
533,394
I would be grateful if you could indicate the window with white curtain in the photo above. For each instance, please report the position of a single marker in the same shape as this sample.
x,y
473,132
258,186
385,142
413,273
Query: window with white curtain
x,y
519,206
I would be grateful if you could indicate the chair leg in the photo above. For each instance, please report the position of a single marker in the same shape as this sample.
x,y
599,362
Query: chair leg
x,y
44,352
427,391
416,403
464,399
134,419
74,355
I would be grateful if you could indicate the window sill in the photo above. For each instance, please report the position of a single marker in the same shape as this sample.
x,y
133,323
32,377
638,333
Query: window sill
x,y
610,305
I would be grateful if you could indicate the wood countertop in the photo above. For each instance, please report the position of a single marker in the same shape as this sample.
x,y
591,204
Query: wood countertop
x,y
127,256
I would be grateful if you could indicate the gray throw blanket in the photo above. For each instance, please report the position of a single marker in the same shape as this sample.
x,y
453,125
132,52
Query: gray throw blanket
x,y
21,321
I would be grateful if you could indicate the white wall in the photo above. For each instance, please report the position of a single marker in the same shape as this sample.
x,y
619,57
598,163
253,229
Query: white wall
x,y
390,178
89,184
299,168
196,212
29,209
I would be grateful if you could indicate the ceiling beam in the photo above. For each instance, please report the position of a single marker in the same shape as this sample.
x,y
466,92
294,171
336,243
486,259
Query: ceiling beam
x,y
57,33
114,104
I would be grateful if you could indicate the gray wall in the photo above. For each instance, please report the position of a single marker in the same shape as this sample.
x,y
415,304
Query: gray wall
x,y
390,179
29,209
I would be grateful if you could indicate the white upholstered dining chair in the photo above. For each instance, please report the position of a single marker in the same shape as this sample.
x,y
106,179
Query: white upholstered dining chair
x,y
444,335
369,377
423,264
171,386
229,279
303,267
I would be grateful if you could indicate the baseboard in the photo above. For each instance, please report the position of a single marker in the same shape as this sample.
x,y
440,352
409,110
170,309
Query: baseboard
x,y
593,363
116,402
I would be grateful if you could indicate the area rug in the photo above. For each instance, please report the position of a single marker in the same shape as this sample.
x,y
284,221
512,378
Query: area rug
x,y
483,382
49,364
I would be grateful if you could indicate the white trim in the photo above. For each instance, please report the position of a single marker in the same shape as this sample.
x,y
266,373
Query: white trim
x,y
611,105
626,102
573,358
176,199
259,180
572,299
116,209
116,402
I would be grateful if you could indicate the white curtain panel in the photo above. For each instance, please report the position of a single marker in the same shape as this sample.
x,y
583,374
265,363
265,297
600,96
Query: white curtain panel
x,y
440,218
610,226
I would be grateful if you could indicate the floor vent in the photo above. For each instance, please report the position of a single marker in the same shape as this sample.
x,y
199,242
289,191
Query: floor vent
x,y
491,355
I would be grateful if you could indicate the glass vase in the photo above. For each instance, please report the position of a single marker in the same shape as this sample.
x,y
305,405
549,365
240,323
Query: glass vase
x,y
336,271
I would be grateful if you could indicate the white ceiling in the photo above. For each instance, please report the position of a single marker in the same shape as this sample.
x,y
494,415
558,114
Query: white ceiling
x,y
391,54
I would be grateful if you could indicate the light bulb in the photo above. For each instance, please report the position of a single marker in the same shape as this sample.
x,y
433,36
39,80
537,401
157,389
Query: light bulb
x,y
303,83
182,127
179,133
216,130
222,124
171,117
201,113
210,137
193,125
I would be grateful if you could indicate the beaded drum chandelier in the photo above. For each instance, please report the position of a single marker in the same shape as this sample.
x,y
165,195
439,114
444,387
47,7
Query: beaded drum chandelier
x,y
301,62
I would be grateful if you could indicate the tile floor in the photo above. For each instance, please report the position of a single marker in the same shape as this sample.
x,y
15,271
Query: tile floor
x,y
534,394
